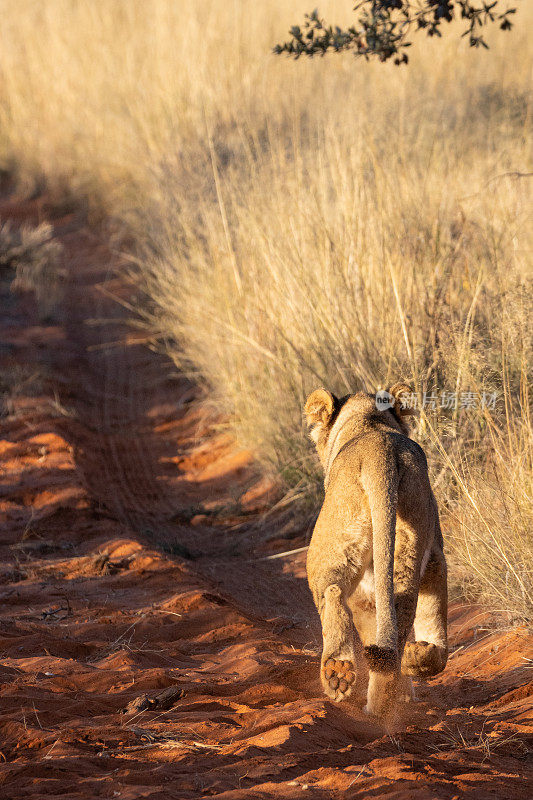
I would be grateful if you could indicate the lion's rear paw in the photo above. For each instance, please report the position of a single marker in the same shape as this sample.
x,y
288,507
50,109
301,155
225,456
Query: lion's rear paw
x,y
423,660
338,678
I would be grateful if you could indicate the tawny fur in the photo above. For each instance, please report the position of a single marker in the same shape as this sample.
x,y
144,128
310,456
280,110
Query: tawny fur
x,y
375,564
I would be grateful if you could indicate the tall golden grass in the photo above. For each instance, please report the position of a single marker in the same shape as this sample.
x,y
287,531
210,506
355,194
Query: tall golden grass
x,y
325,222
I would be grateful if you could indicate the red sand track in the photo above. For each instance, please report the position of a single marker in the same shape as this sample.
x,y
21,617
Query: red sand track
x,y
108,478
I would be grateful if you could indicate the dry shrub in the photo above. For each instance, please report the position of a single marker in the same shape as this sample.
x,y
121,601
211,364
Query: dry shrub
x,y
35,256
301,224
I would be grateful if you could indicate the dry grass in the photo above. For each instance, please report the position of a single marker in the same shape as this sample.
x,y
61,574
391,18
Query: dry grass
x,y
308,223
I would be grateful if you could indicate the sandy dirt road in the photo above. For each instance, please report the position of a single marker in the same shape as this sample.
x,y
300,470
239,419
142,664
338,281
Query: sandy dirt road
x,y
145,649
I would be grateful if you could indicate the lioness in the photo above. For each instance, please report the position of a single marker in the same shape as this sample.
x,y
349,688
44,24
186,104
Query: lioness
x,y
375,563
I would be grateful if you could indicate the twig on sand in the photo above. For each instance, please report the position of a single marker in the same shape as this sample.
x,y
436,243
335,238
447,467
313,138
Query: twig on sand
x,y
455,652
281,555
160,740
170,744
164,611
162,701
48,753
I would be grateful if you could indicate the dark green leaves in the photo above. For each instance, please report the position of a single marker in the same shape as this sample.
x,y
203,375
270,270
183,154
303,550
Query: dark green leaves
x,y
383,26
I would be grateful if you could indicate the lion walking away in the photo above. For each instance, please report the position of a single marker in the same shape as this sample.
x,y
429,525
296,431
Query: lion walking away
x,y
375,564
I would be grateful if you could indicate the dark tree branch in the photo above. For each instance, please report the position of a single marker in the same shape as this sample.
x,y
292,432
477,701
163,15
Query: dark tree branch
x,y
383,27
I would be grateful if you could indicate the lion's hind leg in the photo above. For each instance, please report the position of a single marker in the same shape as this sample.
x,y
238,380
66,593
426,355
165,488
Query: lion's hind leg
x,y
427,655
335,565
338,667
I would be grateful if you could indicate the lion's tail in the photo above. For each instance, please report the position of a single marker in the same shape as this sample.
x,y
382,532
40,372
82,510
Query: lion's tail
x,y
380,481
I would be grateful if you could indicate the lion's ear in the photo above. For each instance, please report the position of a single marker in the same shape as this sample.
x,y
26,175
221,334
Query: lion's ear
x,y
403,399
319,407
